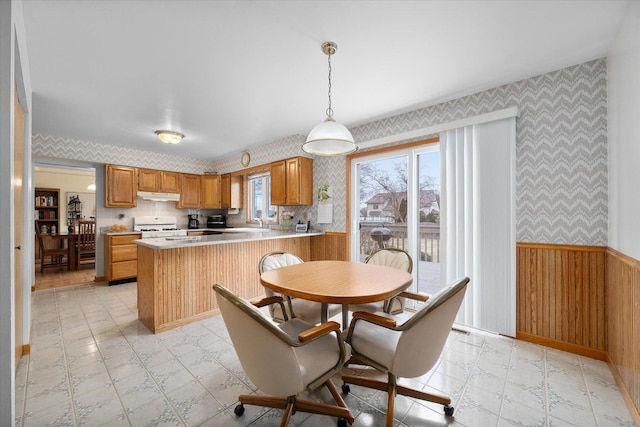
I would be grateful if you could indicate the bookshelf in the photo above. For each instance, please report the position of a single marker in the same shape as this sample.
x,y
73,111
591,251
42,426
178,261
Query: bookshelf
x,y
47,209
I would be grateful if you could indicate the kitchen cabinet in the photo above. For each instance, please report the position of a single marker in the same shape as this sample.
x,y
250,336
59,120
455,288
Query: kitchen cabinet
x,y
210,192
189,191
292,181
121,257
231,188
158,181
121,186
169,182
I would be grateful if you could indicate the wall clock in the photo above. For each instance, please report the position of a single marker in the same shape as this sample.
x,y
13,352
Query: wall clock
x,y
245,159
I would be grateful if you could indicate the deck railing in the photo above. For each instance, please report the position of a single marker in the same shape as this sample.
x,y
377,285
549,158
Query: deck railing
x,y
429,239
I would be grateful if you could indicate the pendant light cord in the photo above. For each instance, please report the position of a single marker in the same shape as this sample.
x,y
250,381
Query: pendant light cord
x,y
329,110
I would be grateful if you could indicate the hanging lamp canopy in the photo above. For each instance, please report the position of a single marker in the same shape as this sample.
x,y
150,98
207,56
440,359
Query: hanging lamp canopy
x,y
329,138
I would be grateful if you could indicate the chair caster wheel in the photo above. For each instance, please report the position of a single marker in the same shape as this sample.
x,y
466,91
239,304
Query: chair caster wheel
x,y
239,410
448,410
346,389
342,422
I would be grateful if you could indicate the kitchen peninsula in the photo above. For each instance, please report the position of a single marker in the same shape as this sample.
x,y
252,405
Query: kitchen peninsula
x,y
176,274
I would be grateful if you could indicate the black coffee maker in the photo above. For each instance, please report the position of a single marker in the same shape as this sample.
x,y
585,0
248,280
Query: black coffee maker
x,y
193,221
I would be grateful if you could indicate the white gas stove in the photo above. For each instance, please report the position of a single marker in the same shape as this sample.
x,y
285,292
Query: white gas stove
x,y
157,226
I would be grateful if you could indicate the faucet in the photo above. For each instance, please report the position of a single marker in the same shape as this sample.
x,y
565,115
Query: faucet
x,y
260,222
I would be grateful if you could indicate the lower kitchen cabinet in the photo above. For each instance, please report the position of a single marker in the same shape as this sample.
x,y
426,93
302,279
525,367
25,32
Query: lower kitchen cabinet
x,y
121,257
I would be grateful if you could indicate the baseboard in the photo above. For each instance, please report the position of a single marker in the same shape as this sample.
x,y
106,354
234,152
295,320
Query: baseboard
x,y
99,279
624,392
560,345
26,349
33,288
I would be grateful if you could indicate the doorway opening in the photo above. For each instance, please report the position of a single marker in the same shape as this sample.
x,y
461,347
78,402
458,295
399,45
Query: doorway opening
x,y
64,203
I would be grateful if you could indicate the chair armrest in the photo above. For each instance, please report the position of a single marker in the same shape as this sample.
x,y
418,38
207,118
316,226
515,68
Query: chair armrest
x,y
415,296
273,300
318,331
374,318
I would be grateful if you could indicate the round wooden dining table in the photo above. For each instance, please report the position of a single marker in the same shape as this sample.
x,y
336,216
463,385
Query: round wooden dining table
x,y
337,282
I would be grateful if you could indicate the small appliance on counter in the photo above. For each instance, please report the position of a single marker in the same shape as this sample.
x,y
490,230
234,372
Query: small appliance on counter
x,y
193,221
216,221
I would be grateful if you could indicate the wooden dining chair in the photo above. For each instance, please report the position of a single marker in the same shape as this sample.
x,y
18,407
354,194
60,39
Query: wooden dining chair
x,y
51,257
86,246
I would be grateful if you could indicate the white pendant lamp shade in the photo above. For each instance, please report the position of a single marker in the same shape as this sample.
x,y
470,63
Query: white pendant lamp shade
x,y
329,138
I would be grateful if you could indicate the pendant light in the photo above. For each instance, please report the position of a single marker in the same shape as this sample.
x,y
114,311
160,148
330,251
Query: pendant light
x,y
329,138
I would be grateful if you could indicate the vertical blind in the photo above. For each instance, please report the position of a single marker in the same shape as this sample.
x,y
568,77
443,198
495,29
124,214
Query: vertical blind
x,y
478,221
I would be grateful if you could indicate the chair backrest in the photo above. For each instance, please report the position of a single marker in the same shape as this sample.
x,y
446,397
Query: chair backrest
x,y
274,260
39,238
86,234
266,358
423,336
391,257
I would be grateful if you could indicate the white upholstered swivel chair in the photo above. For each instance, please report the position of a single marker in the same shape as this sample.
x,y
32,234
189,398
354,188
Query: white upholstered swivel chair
x,y
389,257
309,311
284,359
408,350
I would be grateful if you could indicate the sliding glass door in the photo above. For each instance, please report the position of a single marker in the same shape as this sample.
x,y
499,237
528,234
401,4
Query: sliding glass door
x,y
395,202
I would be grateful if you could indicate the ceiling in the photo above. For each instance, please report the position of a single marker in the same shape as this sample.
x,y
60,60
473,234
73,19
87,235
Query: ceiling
x,y
232,75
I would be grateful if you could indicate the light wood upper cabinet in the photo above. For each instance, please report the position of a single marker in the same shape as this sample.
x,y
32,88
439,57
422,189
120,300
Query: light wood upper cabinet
x,y
210,192
158,181
292,181
231,188
189,191
121,184
148,180
277,177
169,182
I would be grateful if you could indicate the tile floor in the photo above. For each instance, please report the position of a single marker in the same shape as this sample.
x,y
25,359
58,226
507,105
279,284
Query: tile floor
x,y
92,363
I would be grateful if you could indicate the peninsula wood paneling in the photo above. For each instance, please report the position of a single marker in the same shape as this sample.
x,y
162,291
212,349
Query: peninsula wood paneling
x,y
560,291
623,325
175,285
331,246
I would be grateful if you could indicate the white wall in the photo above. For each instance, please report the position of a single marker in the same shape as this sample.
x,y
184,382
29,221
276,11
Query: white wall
x,y
624,136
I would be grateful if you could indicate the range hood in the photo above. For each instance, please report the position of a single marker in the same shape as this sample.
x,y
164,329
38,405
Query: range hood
x,y
159,197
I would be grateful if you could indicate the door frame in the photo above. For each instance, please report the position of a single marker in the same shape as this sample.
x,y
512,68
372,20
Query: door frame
x,y
352,194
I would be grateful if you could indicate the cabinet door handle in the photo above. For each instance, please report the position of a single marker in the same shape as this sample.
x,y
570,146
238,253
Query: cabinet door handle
x,y
19,247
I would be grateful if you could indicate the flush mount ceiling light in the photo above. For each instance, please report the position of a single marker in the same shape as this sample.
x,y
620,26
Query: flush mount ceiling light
x,y
92,186
329,138
169,136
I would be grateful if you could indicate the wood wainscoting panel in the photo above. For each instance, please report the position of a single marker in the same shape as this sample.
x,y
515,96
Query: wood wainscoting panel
x,y
560,294
331,246
623,325
175,285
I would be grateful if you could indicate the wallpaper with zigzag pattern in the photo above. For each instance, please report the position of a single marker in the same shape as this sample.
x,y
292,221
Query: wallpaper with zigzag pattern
x,y
561,153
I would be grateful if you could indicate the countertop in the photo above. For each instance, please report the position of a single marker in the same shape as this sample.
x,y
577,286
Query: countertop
x,y
229,236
